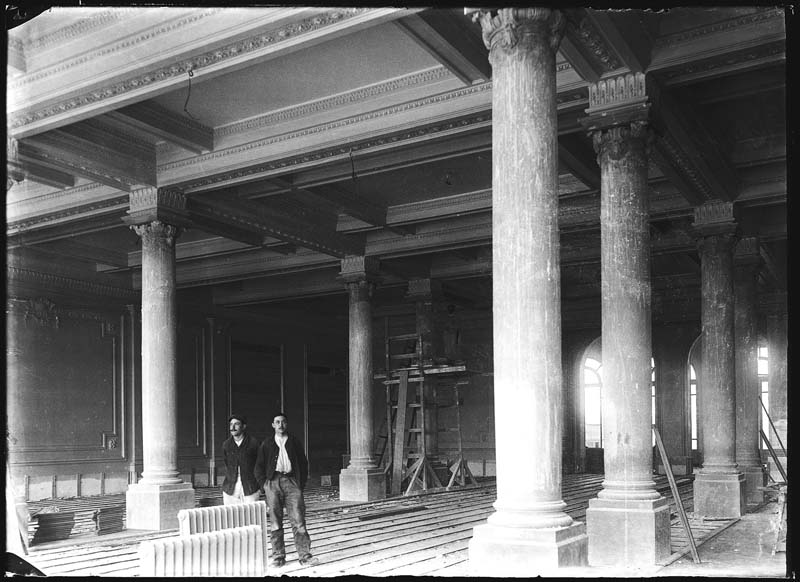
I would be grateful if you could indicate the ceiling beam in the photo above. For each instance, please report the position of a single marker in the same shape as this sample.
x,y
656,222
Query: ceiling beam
x,y
585,48
633,56
176,129
27,170
63,160
94,253
96,151
449,38
259,220
686,152
579,163
57,231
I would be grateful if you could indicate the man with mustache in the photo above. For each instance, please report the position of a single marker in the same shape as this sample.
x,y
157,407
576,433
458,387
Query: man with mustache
x,y
240,452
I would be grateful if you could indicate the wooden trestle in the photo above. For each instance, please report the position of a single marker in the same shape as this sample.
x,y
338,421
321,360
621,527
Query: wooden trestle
x,y
411,391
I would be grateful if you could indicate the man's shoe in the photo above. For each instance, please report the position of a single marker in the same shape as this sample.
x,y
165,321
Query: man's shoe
x,y
278,562
309,561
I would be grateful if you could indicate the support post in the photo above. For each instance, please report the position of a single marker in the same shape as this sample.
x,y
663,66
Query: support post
x,y
529,533
628,523
719,484
362,479
153,503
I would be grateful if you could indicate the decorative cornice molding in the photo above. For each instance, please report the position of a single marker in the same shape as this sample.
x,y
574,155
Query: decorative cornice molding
x,y
83,26
733,23
670,152
16,274
415,133
590,37
195,63
46,219
127,43
274,117
698,67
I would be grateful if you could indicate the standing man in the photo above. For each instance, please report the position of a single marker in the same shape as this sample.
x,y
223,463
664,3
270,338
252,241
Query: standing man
x,y
282,469
240,451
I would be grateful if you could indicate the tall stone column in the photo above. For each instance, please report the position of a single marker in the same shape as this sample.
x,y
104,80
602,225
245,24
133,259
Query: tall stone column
x,y
362,479
747,261
628,523
529,533
153,503
719,484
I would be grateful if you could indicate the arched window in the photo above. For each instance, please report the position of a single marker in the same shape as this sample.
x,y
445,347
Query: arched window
x,y
763,382
592,402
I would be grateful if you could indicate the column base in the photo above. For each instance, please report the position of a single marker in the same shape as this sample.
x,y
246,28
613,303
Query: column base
x,y
629,533
511,551
754,477
155,507
719,495
362,484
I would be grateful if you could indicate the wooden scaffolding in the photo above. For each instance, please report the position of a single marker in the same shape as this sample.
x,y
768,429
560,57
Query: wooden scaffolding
x,y
413,387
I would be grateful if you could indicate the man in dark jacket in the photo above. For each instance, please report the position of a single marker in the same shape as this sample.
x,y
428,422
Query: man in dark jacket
x,y
240,452
282,469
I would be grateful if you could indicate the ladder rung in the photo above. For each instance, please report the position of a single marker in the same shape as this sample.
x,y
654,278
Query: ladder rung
x,y
411,379
415,430
410,405
402,356
403,336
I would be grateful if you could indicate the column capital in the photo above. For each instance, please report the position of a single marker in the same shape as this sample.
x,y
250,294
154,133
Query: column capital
x,y
157,204
504,29
618,100
355,268
614,143
422,289
157,232
714,218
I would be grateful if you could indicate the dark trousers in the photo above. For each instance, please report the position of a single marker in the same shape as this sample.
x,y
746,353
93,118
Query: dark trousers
x,y
283,491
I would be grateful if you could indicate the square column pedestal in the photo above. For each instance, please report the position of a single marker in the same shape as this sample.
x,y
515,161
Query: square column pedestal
x,y
526,552
754,477
628,533
719,495
155,507
362,484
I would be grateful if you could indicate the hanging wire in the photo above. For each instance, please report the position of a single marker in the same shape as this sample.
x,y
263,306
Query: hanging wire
x,y
188,95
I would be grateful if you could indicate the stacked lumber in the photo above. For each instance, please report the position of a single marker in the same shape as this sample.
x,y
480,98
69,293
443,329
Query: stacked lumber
x,y
52,526
109,519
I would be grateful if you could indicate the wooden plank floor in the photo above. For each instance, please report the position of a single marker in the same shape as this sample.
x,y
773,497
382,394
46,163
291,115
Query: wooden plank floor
x,y
424,534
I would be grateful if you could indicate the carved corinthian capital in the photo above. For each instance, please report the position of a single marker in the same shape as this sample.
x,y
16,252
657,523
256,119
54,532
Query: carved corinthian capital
x,y
512,28
157,233
633,141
